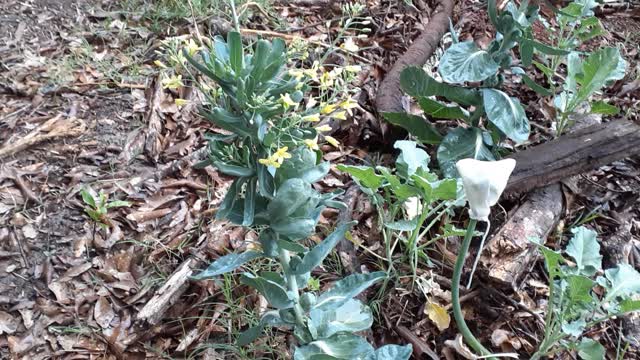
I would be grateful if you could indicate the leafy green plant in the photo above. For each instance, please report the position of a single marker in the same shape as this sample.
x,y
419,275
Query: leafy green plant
x,y
473,77
271,150
406,199
580,298
98,206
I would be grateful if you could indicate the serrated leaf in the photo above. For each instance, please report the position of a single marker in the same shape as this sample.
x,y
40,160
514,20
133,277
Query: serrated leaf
x,y
226,264
411,158
589,349
391,352
574,328
598,69
624,281
275,294
352,316
465,62
438,315
364,175
439,110
446,189
338,346
460,144
416,126
318,253
506,114
347,288
417,83
585,250
579,289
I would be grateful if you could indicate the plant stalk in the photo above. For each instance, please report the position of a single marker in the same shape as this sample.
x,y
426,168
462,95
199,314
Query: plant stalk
x,y
292,284
455,294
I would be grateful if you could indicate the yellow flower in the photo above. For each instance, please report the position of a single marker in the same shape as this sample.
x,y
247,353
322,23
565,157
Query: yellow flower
x,y
178,59
312,143
327,108
323,128
192,47
269,162
350,45
326,81
311,118
335,72
160,64
172,82
297,74
353,68
348,104
331,140
287,101
181,102
340,115
282,154
312,73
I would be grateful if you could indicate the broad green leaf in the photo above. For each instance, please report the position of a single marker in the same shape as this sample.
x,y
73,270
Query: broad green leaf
x,y
544,48
347,288
275,294
552,261
291,246
250,202
585,250
318,253
574,68
579,289
589,349
316,173
403,225
364,175
302,160
294,228
460,144
519,14
352,316
391,352
535,86
506,114
268,242
338,346
236,55
233,170
601,107
624,281
226,264
270,318
295,197
629,305
411,158
598,69
574,328
439,110
88,198
465,62
416,126
417,83
400,190
446,189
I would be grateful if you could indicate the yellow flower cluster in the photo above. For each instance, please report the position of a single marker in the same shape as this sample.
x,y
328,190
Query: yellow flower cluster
x,y
277,158
172,82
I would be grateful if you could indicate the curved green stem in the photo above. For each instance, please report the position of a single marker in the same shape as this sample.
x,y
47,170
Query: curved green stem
x,y
455,293
292,284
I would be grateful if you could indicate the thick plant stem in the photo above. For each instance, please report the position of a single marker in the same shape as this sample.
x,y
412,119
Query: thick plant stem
x,y
292,284
455,293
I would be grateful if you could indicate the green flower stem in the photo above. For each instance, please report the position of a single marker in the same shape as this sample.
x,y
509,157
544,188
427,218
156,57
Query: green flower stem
x,y
292,284
455,293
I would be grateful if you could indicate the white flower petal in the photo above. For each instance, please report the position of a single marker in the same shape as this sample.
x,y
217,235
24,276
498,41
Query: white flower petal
x,y
484,182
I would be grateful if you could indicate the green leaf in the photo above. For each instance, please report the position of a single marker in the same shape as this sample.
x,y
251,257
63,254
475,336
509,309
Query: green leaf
x,y
624,281
391,352
446,189
589,349
506,114
117,204
629,305
318,253
574,328
411,158
439,110
403,225
270,318
233,170
347,288
579,289
465,62
535,86
302,160
294,228
294,198
364,175
352,316
250,202
598,69
275,294
291,246
88,198
316,173
338,346
552,260
544,48
601,107
226,264
416,126
585,250
236,55
268,242
460,144
417,83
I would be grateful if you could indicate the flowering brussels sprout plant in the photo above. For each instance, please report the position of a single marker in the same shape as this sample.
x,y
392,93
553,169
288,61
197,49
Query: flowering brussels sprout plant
x,y
272,152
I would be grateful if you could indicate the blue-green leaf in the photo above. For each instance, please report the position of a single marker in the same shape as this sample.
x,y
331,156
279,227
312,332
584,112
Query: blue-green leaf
x,y
417,83
416,126
402,225
347,288
585,250
589,349
465,62
391,352
318,253
460,144
270,318
601,107
506,114
338,346
411,158
624,281
579,289
236,55
275,294
352,316
226,264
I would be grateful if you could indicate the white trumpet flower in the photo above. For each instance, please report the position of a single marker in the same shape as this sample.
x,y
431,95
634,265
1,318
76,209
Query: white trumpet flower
x,y
484,182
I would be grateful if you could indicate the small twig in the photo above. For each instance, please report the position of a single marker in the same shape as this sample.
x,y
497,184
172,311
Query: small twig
x,y
195,22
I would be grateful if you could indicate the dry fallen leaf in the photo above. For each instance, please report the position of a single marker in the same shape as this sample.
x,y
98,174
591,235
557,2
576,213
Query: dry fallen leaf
x,y
103,312
8,324
438,314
